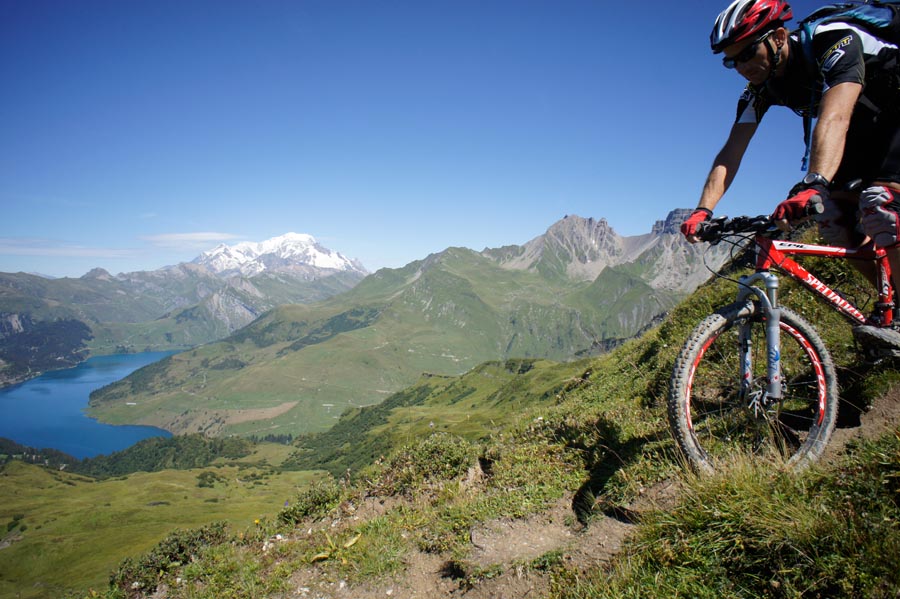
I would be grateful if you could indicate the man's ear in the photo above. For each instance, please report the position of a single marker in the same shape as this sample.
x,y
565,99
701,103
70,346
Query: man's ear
x,y
780,36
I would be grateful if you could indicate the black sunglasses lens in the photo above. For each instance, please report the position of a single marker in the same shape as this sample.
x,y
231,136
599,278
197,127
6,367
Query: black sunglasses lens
x,y
746,54
743,56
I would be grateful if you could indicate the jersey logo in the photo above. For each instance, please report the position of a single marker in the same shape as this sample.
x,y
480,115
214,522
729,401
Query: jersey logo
x,y
834,54
751,107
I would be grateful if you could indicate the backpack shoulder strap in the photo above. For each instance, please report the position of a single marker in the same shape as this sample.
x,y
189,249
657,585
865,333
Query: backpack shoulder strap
x,y
807,26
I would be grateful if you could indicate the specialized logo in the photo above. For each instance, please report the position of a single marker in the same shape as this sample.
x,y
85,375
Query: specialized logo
x,y
834,54
833,297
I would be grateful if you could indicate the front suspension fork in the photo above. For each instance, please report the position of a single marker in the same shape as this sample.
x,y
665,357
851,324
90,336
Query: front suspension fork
x,y
771,313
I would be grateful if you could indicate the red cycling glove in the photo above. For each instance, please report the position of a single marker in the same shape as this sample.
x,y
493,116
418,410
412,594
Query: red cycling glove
x,y
795,207
691,225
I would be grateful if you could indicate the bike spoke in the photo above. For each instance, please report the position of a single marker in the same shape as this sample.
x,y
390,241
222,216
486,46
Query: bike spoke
x,y
725,420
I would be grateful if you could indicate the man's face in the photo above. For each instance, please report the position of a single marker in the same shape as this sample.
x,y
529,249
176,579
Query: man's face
x,y
750,58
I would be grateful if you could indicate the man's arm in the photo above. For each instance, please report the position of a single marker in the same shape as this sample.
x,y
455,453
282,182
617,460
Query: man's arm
x,y
722,173
830,133
841,58
827,151
726,165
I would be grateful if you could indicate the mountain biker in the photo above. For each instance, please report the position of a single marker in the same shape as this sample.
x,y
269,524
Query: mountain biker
x,y
856,136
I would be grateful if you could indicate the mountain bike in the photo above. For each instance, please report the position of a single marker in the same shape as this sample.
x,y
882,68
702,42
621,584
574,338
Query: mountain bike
x,y
754,378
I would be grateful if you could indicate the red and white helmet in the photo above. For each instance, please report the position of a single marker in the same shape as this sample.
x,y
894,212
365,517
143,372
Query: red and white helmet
x,y
746,19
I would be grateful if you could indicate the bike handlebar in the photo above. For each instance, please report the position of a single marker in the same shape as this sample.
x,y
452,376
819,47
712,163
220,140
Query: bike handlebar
x,y
717,228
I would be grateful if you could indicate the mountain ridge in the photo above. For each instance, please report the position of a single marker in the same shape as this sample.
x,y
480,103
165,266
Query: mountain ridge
x,y
443,314
581,248
289,252
173,307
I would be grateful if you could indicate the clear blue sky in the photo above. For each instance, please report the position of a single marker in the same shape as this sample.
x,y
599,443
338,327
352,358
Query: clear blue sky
x,y
134,134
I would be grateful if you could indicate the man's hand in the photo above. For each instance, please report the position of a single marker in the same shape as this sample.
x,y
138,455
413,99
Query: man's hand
x,y
796,207
691,226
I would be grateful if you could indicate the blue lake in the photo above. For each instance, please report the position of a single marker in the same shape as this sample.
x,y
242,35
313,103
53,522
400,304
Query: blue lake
x,y
47,412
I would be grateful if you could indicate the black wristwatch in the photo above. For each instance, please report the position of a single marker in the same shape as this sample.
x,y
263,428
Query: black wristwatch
x,y
815,179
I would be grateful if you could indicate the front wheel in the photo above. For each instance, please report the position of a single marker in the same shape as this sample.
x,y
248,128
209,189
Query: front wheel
x,y
715,419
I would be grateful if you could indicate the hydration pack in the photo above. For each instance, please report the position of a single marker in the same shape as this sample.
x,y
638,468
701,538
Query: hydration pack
x,y
881,18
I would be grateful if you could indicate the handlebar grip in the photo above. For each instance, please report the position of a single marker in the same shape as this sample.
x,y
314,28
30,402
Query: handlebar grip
x,y
716,229
815,206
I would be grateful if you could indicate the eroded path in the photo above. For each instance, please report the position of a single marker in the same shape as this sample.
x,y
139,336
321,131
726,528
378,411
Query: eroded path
x,y
507,549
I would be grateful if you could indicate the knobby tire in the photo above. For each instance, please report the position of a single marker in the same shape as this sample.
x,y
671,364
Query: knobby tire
x,y
713,426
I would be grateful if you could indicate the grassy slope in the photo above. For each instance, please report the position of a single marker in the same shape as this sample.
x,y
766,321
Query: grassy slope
x,y
75,537
490,398
78,530
600,442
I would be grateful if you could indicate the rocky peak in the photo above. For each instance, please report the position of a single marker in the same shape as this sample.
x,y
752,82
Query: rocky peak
x,y
572,247
98,273
581,248
672,224
581,233
582,240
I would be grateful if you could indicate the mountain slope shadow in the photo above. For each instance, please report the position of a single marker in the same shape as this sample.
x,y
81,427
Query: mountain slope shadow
x,y
602,461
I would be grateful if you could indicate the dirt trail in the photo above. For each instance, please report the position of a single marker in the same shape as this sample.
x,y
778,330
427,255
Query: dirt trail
x,y
882,417
506,547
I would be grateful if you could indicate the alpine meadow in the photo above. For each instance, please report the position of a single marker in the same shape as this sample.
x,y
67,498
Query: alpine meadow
x,y
447,300
477,463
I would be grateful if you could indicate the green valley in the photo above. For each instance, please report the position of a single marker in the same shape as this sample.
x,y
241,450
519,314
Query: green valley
x,y
65,532
296,369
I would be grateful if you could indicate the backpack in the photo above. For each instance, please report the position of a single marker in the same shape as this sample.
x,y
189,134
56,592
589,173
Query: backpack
x,y
881,18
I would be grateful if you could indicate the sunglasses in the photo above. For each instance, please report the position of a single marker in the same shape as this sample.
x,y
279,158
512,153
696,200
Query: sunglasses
x,y
748,53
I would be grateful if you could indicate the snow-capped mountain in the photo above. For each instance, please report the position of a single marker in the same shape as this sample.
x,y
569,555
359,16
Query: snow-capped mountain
x,y
293,252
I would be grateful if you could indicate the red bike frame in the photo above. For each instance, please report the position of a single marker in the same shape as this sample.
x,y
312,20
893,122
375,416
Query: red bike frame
x,y
774,253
